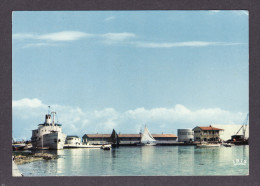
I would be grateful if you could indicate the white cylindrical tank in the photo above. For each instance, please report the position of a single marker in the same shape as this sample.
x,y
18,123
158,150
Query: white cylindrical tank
x,y
185,135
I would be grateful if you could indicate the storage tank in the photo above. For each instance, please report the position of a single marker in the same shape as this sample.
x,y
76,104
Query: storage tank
x,y
185,135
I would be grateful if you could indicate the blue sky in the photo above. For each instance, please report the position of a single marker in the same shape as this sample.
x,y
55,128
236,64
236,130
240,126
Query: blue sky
x,y
122,69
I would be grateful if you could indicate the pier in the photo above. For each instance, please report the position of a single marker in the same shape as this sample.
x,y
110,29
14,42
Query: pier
x,y
15,170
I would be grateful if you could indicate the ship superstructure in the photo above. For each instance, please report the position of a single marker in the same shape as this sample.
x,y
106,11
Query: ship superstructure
x,y
49,134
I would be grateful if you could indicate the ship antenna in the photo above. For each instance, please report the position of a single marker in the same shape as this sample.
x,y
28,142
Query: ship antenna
x,y
53,115
49,110
57,118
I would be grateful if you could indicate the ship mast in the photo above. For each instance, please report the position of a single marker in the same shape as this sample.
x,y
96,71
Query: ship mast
x,y
53,121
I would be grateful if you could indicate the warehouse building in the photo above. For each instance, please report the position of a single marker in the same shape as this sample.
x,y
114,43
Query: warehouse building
x,y
126,139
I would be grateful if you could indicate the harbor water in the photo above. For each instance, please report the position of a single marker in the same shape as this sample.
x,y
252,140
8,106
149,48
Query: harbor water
x,y
143,161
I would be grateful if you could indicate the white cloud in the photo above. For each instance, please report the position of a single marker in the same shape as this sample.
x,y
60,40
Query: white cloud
x,y
235,12
213,11
30,112
64,36
27,103
73,35
38,45
181,44
118,36
56,36
51,39
181,114
107,112
24,36
109,18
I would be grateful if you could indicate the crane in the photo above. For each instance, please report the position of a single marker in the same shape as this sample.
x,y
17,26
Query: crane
x,y
244,126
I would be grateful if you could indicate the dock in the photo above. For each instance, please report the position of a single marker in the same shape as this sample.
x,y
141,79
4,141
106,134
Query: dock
x,y
66,146
15,170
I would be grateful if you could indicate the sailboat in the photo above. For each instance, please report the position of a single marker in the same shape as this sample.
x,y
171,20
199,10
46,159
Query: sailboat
x,y
147,138
114,139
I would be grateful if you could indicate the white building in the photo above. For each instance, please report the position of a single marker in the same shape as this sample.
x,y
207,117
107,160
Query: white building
x,y
185,135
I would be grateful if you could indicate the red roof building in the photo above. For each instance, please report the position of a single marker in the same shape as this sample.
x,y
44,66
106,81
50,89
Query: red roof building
x,y
209,133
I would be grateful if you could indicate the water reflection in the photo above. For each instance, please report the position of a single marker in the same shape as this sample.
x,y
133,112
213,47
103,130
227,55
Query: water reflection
x,y
185,158
147,154
147,160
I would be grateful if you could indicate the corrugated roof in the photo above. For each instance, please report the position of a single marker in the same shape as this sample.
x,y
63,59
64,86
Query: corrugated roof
x,y
98,135
129,135
164,135
210,128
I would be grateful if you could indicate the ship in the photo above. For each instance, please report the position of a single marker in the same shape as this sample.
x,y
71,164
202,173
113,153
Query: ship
x,y
49,134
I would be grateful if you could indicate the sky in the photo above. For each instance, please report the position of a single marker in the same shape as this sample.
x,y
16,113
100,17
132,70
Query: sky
x,y
101,70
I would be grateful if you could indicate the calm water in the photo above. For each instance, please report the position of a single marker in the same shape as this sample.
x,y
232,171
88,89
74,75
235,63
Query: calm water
x,y
143,161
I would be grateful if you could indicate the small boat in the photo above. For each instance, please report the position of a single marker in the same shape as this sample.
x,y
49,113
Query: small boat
x,y
227,144
82,146
105,147
18,146
43,148
208,145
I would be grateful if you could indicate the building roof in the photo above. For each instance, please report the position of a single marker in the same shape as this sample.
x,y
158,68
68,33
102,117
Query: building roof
x,y
98,135
70,136
209,128
129,135
164,135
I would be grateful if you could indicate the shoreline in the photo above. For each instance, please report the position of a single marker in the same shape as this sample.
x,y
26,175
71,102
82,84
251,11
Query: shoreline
x,y
28,157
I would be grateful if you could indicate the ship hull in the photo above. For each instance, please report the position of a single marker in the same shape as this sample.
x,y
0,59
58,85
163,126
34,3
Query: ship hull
x,y
50,141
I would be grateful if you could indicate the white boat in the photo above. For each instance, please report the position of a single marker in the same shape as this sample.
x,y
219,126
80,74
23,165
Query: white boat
x,y
106,147
19,146
85,146
227,144
208,145
72,140
48,135
147,138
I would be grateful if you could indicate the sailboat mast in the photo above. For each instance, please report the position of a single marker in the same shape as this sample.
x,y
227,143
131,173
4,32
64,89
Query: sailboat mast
x,y
140,134
245,125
